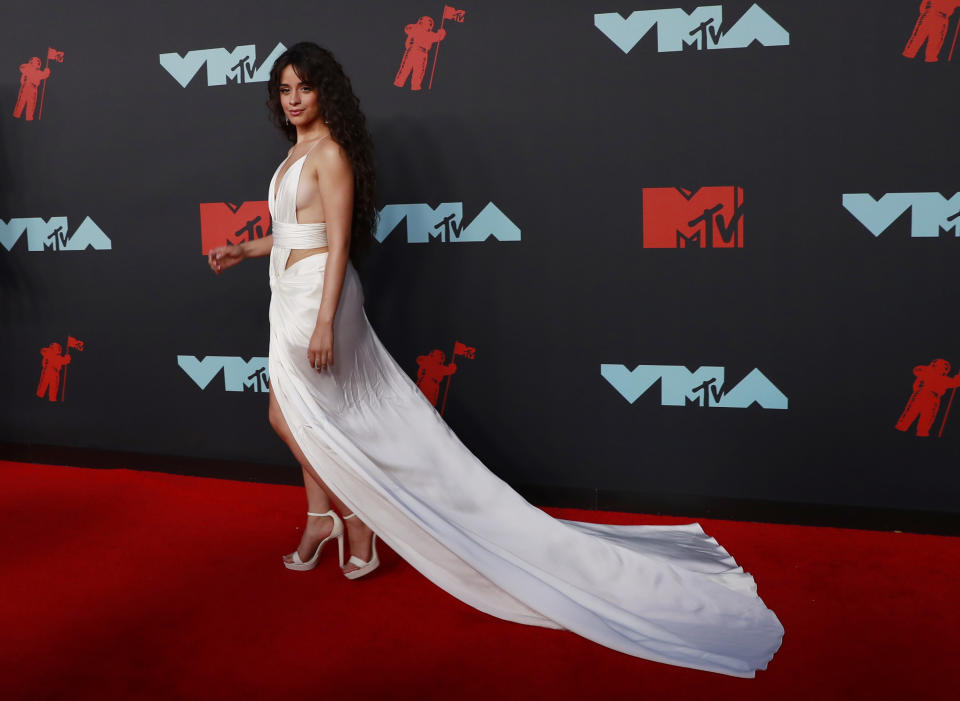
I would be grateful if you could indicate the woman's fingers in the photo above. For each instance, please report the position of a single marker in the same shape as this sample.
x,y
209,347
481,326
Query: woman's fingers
x,y
320,361
213,259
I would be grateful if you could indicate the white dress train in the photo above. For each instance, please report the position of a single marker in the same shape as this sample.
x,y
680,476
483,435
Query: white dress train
x,y
665,593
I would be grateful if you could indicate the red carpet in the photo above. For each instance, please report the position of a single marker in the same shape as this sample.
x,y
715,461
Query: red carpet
x,y
118,584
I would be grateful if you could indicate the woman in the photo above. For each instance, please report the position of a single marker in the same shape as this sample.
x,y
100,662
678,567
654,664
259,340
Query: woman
x,y
369,441
314,207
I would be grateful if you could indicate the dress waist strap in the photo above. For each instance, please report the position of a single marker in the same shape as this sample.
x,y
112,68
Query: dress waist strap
x,y
286,235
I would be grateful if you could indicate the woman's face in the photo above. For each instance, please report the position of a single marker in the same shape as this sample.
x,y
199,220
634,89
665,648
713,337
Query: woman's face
x,y
298,99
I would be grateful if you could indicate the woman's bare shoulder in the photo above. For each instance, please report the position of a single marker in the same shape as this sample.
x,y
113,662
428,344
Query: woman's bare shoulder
x,y
329,157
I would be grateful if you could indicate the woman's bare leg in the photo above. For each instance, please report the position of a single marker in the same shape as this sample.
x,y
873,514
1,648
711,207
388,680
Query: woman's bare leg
x,y
319,497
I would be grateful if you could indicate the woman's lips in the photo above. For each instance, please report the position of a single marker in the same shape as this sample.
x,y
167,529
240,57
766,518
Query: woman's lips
x,y
296,113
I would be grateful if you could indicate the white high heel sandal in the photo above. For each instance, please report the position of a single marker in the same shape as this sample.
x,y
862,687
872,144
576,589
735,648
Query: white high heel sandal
x,y
363,566
337,532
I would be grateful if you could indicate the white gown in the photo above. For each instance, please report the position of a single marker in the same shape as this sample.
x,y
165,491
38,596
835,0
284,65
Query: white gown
x,y
666,593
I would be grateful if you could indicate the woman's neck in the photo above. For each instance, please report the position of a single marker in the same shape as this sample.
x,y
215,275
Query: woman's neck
x,y
312,132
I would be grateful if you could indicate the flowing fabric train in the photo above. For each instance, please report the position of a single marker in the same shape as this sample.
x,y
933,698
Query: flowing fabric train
x,y
665,593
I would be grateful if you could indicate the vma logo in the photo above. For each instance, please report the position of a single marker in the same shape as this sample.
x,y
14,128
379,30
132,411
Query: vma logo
x,y
930,212
702,29
223,223
53,235
445,223
237,66
704,387
238,374
707,217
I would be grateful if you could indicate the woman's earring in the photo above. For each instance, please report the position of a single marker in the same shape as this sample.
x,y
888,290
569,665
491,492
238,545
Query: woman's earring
x,y
287,120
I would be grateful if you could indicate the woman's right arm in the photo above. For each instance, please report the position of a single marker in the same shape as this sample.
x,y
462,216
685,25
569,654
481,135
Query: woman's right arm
x,y
228,256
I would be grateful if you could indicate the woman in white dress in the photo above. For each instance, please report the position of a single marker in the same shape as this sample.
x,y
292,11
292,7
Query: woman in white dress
x,y
372,446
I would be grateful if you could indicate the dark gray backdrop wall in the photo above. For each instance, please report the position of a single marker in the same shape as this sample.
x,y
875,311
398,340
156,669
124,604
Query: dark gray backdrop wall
x,y
532,108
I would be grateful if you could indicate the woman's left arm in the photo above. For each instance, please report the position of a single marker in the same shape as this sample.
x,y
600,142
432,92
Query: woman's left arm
x,y
335,178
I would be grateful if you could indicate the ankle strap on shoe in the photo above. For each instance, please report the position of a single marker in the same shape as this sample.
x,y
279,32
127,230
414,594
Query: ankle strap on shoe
x,y
348,516
329,513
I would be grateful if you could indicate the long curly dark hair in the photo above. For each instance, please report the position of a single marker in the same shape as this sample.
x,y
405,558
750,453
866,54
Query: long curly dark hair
x,y
340,109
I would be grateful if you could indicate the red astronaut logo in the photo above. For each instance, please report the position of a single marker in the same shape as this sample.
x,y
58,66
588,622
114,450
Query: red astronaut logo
x,y
53,372
420,40
932,27
433,369
932,382
31,75
706,217
223,223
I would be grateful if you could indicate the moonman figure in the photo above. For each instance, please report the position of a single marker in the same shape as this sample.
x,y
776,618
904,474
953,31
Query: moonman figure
x,y
932,28
53,363
420,39
30,76
431,373
932,381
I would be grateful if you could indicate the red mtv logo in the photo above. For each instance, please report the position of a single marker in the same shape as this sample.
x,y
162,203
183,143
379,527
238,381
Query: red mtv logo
x,y
706,217
224,223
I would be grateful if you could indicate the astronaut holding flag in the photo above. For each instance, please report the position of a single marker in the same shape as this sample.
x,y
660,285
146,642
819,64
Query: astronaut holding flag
x,y
53,372
31,76
420,40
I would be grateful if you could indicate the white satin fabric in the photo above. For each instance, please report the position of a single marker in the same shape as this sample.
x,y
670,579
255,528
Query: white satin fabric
x,y
299,235
666,593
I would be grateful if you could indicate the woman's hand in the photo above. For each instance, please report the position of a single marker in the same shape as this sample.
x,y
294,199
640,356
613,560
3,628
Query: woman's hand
x,y
320,350
225,257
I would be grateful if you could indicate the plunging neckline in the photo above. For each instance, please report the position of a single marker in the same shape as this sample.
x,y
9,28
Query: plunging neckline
x,y
276,189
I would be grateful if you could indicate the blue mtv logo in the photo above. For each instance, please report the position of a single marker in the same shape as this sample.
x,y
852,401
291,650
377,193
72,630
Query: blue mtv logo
x,y
702,387
53,234
237,66
445,223
930,212
238,374
702,28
